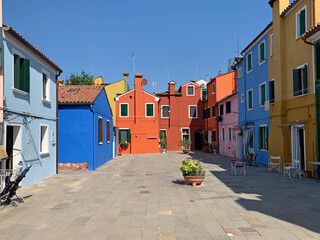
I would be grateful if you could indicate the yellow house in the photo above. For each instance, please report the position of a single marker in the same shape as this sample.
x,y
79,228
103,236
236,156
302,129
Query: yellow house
x,y
113,90
292,82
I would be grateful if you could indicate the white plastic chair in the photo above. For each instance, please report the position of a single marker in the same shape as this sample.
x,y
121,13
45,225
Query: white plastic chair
x,y
274,163
289,168
237,165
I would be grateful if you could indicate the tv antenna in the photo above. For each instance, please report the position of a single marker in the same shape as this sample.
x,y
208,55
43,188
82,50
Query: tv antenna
x,y
133,56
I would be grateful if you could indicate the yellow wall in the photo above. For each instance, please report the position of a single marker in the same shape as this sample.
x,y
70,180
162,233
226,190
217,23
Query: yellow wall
x,y
290,53
98,81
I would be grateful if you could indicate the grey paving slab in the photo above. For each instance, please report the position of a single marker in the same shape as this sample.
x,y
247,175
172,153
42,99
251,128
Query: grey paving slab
x,y
144,197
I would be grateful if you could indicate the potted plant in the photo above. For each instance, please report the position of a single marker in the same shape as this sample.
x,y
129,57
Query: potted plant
x,y
185,145
192,171
205,146
214,147
163,145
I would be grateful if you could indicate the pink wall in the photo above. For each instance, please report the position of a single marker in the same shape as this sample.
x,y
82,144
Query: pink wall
x,y
227,147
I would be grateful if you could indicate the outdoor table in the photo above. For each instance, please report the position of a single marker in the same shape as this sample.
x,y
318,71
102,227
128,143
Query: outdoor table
x,y
315,164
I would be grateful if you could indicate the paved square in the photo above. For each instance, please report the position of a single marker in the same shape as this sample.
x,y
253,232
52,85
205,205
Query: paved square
x,y
144,197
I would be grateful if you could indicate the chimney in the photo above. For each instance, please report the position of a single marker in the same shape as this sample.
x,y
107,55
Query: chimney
x,y
172,86
125,77
60,82
138,82
279,5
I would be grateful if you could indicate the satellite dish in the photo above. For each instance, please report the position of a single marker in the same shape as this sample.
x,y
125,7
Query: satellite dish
x,y
144,81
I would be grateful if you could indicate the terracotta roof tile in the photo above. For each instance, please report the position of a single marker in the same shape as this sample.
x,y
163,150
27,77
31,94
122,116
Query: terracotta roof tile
x,y
289,7
78,94
311,31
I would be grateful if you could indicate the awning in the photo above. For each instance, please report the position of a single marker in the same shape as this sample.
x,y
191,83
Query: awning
x,y
291,124
243,124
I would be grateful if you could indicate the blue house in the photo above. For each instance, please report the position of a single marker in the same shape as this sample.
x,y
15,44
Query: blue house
x,y
30,113
86,134
253,103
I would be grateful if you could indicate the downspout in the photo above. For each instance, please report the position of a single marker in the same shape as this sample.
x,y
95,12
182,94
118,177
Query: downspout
x,y
57,125
94,133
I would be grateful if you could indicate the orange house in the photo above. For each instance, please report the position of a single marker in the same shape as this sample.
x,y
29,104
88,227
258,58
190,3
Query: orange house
x,y
217,89
137,119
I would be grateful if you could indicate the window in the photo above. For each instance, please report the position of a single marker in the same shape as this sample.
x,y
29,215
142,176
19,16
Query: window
x,y
100,130
222,134
204,112
300,80
271,91
262,52
317,57
124,135
21,73
193,113
162,134
165,111
221,109
239,72
242,98
44,139
213,111
251,138
228,107
214,135
301,22
213,88
108,131
249,62
149,109
185,134
190,90
249,100
208,112
45,87
204,95
271,45
263,137
124,109
262,94
229,134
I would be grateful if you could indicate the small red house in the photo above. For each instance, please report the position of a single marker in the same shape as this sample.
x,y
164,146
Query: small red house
x,y
137,119
180,115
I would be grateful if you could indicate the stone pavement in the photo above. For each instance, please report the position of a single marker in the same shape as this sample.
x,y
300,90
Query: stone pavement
x,y
144,197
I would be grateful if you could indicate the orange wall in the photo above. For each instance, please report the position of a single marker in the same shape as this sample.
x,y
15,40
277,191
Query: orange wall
x,y
144,130
226,84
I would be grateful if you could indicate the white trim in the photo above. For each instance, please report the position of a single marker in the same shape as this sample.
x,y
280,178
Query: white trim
x,y
165,131
298,22
239,71
157,99
258,40
247,62
100,143
109,131
47,100
124,128
189,111
264,149
162,111
189,136
45,138
271,45
248,99
190,82
242,95
296,5
187,90
120,110
152,111
265,89
303,94
19,91
117,98
265,55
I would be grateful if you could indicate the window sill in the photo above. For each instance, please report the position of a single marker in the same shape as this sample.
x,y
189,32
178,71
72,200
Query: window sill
x,y
250,109
100,143
262,62
302,95
46,101
263,150
249,71
165,117
108,142
124,116
19,91
44,154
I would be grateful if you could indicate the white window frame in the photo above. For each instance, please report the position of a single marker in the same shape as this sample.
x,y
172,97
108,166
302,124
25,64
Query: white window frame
x,y
239,72
165,131
229,134
265,56
298,22
271,45
187,90
214,92
248,99
45,146
16,52
182,134
189,107
248,64
265,89
162,111
100,143
251,150
120,109
109,131
300,67
146,110
242,98
47,100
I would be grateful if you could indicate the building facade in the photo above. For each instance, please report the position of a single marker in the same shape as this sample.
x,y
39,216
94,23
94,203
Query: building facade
x,y
86,133
30,113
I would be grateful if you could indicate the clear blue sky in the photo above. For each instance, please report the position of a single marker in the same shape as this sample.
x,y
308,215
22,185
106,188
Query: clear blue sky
x,y
188,36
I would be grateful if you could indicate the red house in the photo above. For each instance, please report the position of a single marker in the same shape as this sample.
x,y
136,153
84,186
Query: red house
x,y
179,115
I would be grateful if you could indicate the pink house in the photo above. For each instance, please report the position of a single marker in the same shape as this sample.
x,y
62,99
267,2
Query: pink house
x,y
229,137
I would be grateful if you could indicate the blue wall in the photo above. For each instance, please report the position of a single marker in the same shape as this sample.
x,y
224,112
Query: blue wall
x,y
259,74
78,133
37,112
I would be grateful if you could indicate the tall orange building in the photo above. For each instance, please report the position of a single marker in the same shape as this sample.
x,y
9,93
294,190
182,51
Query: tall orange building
x,y
137,119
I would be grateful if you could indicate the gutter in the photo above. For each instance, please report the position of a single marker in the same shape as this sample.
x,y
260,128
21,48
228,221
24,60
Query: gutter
x,y
94,133
57,125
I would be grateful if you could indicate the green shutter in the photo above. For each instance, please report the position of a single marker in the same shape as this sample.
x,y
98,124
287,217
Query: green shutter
x,y
119,132
302,22
124,110
149,110
25,75
262,58
271,91
305,82
317,54
296,74
267,138
128,136
250,99
260,138
249,62
16,71
263,94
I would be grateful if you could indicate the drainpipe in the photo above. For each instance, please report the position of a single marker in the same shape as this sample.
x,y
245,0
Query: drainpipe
x,y
94,133
57,158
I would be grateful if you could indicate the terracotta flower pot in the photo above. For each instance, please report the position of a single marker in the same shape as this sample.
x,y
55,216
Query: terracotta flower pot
x,y
194,180
186,150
